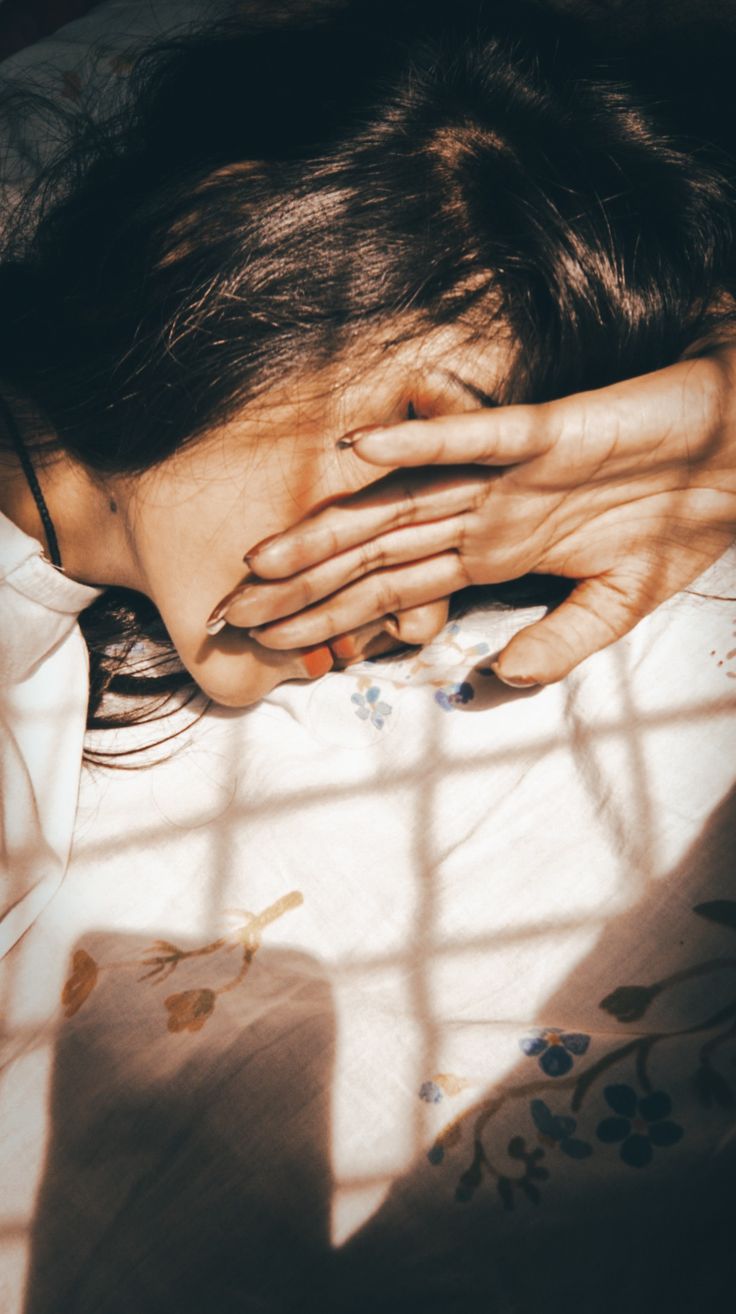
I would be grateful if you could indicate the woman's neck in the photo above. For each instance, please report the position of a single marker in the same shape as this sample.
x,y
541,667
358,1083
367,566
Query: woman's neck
x,y
91,534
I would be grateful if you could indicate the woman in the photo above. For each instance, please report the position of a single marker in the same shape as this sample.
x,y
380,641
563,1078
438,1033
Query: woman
x,y
416,218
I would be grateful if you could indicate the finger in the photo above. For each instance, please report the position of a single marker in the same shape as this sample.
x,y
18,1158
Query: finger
x,y
675,414
414,626
502,436
626,430
260,603
401,499
598,612
380,594
419,625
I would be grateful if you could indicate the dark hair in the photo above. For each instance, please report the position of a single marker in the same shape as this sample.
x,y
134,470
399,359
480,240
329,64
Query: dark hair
x,y
263,195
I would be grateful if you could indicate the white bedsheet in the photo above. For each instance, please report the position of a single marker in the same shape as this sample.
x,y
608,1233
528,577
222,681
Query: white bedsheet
x,y
336,969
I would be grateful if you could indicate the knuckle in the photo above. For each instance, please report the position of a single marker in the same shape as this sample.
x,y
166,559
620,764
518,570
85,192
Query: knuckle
x,y
462,552
388,599
328,623
365,559
541,425
330,541
481,494
464,574
305,593
373,556
706,406
409,506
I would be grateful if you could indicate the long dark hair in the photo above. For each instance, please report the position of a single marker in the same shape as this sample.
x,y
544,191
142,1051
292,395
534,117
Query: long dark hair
x,y
264,194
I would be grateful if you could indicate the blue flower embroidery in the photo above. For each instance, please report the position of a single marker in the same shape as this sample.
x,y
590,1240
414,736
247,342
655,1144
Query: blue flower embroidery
x,y
554,1048
431,1092
639,1124
368,707
454,695
559,1130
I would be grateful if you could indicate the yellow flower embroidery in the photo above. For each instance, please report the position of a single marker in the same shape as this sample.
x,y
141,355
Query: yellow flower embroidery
x,y
81,983
189,1009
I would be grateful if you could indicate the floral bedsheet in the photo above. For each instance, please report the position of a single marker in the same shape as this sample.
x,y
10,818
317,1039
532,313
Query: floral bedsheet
x,y
402,988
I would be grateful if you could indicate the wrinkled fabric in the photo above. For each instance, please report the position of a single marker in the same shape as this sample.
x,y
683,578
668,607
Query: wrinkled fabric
x,y
400,988
43,708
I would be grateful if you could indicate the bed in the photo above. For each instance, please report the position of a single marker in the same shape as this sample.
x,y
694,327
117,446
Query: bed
x,y
402,990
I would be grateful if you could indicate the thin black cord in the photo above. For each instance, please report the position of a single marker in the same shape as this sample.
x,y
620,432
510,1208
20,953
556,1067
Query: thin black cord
x,y
33,484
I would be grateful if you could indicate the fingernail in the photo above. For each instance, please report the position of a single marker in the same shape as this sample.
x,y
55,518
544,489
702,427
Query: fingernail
x,y
264,544
318,661
345,646
391,625
518,681
243,593
354,435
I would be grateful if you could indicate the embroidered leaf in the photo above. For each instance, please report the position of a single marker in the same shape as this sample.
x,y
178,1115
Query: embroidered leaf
x,y
81,983
189,1010
506,1192
629,1003
722,911
543,1119
563,1127
471,1178
576,1149
530,1191
712,1088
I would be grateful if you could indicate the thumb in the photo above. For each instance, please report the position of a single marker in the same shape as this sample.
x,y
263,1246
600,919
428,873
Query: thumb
x,y
597,612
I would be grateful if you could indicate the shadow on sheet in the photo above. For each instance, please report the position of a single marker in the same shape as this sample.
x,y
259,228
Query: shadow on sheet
x,y
196,1177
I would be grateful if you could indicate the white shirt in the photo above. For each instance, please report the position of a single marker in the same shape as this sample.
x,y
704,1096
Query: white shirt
x,y
43,701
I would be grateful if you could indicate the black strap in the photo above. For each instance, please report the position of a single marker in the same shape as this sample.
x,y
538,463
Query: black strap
x,y
33,484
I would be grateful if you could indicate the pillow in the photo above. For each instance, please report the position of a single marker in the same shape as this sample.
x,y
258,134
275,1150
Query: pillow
x,y
22,22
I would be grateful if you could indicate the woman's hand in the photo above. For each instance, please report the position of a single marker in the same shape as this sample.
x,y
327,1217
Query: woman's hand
x,y
630,490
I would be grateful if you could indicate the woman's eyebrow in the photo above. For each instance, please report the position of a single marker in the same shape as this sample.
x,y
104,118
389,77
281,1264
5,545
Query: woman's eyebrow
x,y
484,398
